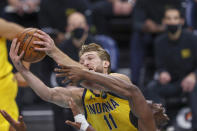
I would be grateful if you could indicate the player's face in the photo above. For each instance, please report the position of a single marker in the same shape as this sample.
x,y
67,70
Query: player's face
x,y
172,17
92,61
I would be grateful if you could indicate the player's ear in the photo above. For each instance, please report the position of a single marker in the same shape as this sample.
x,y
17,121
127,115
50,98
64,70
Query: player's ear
x,y
106,64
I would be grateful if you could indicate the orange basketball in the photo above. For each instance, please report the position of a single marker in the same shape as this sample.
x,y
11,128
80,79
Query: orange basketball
x,y
26,39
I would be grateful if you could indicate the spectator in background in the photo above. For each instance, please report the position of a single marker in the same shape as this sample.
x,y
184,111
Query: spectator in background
x,y
104,10
77,31
23,12
176,61
2,5
147,24
191,14
54,13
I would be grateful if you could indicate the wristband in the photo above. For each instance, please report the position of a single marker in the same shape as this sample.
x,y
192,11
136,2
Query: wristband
x,y
81,119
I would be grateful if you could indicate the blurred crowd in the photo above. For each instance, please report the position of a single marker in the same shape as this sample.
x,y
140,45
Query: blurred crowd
x,y
158,35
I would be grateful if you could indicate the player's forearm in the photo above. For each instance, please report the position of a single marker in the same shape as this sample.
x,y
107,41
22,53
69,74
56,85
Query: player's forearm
x,y
109,82
37,85
9,30
63,59
142,110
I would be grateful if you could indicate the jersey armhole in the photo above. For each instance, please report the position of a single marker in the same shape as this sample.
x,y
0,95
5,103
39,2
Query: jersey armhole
x,y
83,102
133,119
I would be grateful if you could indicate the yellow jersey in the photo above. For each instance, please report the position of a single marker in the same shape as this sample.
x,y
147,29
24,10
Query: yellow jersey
x,y
8,88
107,113
5,66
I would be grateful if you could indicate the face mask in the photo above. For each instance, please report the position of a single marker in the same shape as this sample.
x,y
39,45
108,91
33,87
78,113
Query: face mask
x,y
78,33
173,28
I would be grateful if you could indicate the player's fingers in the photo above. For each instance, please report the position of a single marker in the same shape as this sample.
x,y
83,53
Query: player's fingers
x,y
64,66
21,55
74,107
1,112
41,32
40,43
74,124
61,75
41,49
13,45
17,47
20,119
8,117
61,70
42,37
65,80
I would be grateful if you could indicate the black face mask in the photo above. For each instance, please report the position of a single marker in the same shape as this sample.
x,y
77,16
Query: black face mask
x,y
173,28
78,33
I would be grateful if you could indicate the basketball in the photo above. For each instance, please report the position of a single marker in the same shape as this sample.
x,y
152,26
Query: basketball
x,y
26,40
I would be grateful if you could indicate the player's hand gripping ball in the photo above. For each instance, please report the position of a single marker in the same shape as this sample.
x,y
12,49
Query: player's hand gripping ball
x,y
26,39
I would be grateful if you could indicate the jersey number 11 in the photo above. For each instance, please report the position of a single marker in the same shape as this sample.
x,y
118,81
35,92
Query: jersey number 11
x,y
112,121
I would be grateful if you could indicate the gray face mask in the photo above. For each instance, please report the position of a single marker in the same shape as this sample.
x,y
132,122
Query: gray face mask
x,y
173,28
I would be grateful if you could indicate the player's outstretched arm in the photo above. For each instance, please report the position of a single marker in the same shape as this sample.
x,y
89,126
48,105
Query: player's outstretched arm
x,y
80,121
51,50
17,125
9,30
114,82
56,95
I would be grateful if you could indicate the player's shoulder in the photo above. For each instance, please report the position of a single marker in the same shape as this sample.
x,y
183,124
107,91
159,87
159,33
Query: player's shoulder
x,y
121,76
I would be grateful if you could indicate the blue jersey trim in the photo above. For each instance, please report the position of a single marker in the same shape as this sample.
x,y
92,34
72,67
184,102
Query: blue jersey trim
x,y
83,102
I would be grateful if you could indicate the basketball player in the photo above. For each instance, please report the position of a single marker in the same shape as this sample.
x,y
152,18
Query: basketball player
x,y
103,112
120,87
8,88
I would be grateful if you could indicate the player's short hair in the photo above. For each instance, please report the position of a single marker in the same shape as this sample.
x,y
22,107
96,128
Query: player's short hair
x,y
97,48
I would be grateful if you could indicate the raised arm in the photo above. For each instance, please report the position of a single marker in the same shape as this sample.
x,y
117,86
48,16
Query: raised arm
x,y
9,30
56,95
51,50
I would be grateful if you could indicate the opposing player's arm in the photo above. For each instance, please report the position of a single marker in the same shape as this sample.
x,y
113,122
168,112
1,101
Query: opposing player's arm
x,y
121,84
114,82
9,30
94,80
